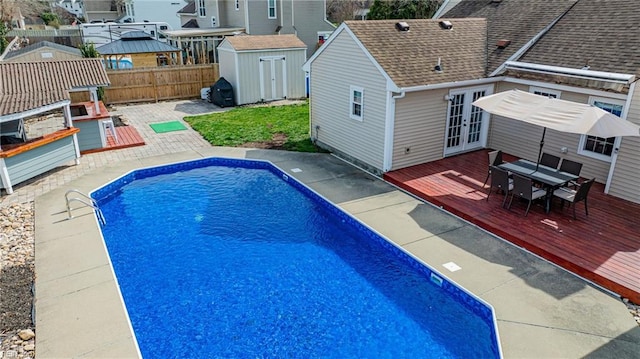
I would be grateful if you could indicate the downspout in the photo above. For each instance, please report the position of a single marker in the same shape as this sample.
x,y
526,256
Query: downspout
x,y
614,157
281,15
389,127
246,17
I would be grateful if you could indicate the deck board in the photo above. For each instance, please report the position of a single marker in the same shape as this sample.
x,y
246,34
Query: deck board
x,y
603,247
128,136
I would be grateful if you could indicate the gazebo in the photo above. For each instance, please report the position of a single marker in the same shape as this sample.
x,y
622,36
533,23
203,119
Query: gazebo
x,y
138,49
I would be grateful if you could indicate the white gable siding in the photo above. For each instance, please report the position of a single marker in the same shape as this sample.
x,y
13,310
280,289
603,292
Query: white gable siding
x,y
523,140
625,181
420,124
339,66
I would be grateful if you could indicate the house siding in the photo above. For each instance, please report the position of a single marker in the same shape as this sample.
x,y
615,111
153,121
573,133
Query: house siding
x,y
90,135
338,67
308,20
420,123
247,86
260,24
229,16
523,140
34,162
625,180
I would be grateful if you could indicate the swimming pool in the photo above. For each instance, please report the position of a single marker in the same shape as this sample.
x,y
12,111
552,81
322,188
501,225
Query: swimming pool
x,y
234,258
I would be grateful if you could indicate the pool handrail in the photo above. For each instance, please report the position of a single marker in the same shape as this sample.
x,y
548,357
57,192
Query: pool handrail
x,y
91,203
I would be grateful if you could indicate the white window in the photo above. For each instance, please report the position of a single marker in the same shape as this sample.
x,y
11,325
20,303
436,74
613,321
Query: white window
x,y
271,9
599,147
544,92
202,10
214,23
237,5
356,103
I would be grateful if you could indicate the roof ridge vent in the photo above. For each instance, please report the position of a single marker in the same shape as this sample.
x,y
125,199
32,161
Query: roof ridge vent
x,y
446,24
402,26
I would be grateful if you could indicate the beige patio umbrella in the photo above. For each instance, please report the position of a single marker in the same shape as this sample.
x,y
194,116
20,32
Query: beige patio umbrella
x,y
559,115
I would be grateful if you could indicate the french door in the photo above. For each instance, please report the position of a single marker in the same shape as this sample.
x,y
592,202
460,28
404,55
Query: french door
x,y
466,124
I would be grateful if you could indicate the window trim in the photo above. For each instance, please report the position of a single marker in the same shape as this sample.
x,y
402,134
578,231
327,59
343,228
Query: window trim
x,y
274,7
583,138
352,114
202,8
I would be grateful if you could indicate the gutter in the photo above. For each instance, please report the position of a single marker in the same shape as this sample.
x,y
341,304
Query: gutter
x,y
444,85
566,71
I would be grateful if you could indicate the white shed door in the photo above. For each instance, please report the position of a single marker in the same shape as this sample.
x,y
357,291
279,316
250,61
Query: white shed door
x,y
273,78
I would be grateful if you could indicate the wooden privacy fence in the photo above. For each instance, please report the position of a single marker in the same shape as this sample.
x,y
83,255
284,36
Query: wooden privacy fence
x,y
155,84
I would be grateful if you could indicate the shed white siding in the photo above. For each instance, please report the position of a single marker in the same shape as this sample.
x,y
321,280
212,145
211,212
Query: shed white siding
x,y
523,140
243,70
333,72
625,181
420,123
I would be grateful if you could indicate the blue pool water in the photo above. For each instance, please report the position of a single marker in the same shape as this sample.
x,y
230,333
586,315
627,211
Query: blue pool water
x,y
233,259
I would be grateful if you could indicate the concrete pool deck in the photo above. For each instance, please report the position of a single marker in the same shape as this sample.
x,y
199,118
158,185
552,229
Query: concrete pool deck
x,y
542,311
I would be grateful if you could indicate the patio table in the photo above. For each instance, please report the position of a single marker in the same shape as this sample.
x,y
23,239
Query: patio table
x,y
550,178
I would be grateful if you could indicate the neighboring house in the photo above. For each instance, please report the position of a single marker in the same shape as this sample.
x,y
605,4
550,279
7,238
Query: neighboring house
x,y
263,67
137,49
305,19
28,89
42,51
73,7
100,10
378,89
361,109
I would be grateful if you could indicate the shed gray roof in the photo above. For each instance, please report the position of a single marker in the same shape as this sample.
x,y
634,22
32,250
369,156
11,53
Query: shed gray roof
x,y
515,20
28,85
265,42
409,57
135,42
603,34
41,44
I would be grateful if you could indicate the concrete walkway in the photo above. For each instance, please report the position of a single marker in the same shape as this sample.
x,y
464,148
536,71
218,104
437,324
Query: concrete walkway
x,y
542,311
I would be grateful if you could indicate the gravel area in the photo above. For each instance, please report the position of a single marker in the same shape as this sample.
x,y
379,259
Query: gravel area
x,y
17,331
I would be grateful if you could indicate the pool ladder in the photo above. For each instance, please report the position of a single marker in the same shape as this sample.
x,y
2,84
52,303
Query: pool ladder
x,y
86,201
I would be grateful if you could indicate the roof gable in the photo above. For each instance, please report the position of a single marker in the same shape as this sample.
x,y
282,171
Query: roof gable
x,y
40,45
264,42
409,57
600,34
517,21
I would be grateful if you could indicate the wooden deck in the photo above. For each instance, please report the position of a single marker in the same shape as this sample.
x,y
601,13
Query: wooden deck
x,y
128,136
603,247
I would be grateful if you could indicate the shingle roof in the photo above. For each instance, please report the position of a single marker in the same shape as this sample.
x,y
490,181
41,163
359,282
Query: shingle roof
x,y
135,42
28,85
515,20
41,44
605,34
265,42
190,8
409,57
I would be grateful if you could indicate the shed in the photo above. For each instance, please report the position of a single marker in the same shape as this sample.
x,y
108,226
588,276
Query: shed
x,y
263,67
43,51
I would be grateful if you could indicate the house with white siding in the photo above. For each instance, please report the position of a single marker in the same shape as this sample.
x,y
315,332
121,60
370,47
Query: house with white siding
x,y
372,100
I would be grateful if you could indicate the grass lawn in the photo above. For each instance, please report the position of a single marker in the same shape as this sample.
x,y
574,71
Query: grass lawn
x,y
278,127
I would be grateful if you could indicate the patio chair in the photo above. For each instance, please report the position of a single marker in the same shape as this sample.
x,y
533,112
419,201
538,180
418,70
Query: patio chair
x,y
549,160
574,196
495,158
501,182
524,189
572,167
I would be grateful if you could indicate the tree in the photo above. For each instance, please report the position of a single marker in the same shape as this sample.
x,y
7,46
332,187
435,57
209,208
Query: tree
x,y
403,9
89,51
341,10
